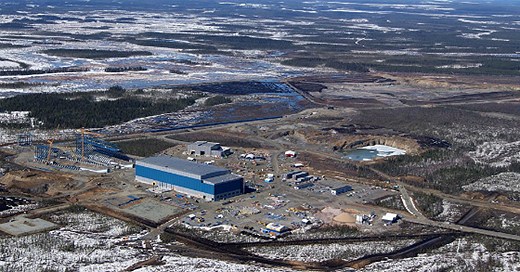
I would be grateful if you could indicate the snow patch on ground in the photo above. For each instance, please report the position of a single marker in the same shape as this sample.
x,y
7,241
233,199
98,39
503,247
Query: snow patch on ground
x,y
460,255
479,22
451,212
8,64
507,181
19,208
460,66
87,238
510,223
497,154
477,35
179,263
318,253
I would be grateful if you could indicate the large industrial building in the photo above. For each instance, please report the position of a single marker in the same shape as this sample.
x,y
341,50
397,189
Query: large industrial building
x,y
195,179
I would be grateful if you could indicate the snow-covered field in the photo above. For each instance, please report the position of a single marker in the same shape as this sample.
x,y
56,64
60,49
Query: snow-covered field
x,y
85,239
179,263
461,255
451,212
20,208
497,153
318,253
239,65
506,223
505,182
8,64
91,242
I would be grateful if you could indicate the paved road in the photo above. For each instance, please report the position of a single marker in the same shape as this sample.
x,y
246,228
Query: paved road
x,y
409,204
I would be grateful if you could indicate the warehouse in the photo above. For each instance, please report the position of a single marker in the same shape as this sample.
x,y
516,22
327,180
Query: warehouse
x,y
341,189
195,179
203,148
390,218
336,187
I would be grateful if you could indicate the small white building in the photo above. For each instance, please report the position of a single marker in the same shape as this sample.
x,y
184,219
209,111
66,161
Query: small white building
x,y
390,218
276,227
290,154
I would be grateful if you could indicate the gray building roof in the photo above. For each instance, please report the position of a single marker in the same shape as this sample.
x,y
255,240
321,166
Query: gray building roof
x,y
180,166
204,143
222,179
334,184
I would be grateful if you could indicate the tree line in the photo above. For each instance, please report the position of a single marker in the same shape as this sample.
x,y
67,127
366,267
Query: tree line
x,y
24,72
83,110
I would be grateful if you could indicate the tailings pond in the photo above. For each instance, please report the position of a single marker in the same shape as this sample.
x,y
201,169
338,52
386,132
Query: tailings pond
x,y
369,153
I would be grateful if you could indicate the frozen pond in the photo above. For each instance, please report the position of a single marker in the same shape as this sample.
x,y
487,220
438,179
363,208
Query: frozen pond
x,y
369,153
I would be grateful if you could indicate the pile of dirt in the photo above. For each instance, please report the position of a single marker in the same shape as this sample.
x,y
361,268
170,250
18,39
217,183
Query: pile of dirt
x,y
345,218
338,216
37,182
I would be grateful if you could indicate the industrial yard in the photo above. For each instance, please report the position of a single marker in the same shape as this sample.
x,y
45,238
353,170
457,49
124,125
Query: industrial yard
x,y
276,187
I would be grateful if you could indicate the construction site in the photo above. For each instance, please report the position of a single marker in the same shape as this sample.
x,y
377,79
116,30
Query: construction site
x,y
277,187
88,152
278,182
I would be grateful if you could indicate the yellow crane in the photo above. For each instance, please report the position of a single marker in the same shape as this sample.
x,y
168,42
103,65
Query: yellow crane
x,y
50,142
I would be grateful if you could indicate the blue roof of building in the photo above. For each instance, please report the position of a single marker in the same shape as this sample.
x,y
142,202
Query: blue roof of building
x,y
203,171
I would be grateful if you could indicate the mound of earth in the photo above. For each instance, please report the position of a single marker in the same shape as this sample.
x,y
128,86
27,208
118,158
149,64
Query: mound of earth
x,y
345,218
338,216
38,183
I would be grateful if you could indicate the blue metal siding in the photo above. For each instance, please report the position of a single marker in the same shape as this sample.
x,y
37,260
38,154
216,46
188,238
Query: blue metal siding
x,y
229,186
173,179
